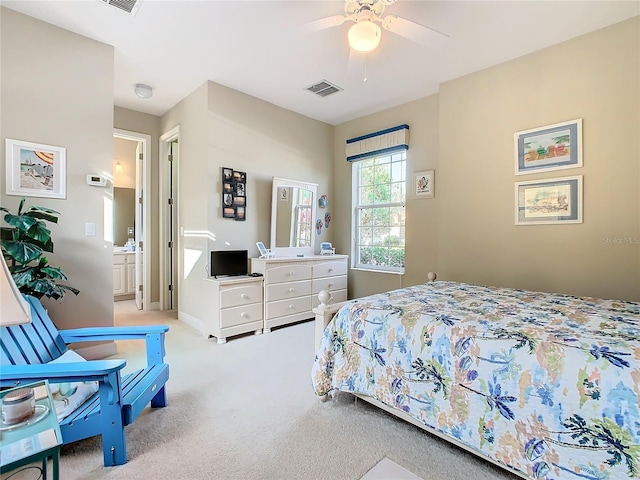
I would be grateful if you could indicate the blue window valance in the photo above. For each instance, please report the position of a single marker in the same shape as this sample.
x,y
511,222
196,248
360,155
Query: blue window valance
x,y
378,143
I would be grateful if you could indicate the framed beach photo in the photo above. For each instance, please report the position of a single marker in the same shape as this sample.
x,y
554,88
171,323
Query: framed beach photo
x,y
35,170
423,183
548,201
553,147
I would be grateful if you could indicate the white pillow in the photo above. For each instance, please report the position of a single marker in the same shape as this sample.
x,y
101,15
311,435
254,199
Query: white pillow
x,y
69,396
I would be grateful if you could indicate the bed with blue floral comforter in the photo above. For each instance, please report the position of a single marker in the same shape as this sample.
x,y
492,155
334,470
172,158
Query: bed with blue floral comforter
x,y
545,384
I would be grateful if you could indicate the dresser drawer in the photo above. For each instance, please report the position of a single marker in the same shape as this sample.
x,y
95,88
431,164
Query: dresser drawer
x,y
230,317
288,307
329,269
329,283
288,273
280,291
232,295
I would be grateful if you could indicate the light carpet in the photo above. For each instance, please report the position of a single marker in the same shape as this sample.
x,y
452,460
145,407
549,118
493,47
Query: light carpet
x,y
246,410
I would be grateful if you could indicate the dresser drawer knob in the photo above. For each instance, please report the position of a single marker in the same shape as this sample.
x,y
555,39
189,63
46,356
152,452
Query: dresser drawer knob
x,y
244,315
244,295
292,289
330,270
330,284
291,274
291,307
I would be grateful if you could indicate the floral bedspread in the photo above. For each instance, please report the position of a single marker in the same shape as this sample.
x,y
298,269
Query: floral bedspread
x,y
547,384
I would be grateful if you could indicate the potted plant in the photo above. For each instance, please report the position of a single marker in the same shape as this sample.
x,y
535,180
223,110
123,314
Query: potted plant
x,y
24,243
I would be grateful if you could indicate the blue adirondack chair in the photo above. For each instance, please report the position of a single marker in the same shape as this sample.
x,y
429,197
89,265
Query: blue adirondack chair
x,y
26,350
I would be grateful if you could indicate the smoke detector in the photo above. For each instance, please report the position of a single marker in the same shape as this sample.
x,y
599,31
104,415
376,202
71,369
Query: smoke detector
x,y
324,88
128,6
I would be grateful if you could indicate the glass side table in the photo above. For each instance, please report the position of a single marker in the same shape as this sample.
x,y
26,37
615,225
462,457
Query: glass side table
x,y
35,439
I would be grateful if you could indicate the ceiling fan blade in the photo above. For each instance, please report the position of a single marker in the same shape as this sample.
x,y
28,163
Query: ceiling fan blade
x,y
416,32
323,23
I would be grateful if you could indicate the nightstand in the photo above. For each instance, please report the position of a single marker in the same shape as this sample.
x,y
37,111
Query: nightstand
x,y
35,439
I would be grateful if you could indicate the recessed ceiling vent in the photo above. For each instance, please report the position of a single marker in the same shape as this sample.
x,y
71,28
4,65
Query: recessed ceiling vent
x,y
324,88
129,6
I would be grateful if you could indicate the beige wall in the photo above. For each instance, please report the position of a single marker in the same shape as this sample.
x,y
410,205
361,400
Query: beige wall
x,y
221,127
467,232
594,77
138,122
57,89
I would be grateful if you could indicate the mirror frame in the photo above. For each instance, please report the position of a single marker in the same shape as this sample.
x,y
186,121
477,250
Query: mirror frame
x,y
279,182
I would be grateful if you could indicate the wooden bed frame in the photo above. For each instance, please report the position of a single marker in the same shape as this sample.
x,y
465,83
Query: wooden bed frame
x,y
323,315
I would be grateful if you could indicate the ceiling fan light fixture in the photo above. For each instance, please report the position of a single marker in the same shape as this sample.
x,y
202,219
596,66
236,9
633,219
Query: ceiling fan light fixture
x,y
364,36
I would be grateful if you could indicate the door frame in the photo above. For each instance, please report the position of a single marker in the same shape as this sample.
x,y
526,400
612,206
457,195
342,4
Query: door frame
x,y
143,183
166,139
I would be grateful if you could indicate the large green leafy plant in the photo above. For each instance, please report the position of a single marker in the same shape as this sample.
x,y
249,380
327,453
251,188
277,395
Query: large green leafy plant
x,y
24,243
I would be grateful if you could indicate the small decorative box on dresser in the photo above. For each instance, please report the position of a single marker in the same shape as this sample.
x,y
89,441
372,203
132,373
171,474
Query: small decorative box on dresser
x,y
291,285
233,305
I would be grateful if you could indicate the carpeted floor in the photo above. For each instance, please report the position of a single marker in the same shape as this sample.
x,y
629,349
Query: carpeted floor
x,y
246,410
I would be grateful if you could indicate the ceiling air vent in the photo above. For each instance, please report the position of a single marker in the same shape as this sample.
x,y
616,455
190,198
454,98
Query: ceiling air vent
x,y
323,88
129,6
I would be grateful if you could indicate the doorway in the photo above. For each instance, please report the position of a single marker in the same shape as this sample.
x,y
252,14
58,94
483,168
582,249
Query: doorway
x,y
131,180
170,240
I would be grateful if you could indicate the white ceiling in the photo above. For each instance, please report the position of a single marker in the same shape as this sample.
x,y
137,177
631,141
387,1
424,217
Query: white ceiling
x,y
265,48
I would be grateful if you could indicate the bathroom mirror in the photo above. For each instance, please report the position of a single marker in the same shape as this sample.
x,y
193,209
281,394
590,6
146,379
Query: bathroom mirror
x,y
124,209
293,213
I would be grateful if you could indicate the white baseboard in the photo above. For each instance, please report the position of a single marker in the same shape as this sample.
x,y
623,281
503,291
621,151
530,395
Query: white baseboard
x,y
191,321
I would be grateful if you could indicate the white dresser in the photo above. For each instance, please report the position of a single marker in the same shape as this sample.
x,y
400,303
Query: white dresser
x,y
291,285
124,275
232,306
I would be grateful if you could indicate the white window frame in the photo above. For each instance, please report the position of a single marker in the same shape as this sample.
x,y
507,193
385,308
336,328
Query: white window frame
x,y
355,175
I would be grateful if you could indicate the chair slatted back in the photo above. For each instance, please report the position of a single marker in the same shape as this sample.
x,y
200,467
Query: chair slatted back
x,y
32,343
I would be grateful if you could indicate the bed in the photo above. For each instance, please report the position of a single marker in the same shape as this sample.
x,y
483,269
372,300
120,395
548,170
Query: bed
x,y
544,385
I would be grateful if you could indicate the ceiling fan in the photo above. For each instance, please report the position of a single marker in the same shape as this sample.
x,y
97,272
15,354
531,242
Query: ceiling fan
x,y
365,34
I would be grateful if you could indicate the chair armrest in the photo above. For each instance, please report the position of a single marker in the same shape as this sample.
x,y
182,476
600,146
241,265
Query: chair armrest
x,y
94,334
152,334
61,372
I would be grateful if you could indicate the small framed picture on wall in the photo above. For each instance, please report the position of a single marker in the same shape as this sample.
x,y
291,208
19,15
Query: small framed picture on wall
x,y
423,183
228,212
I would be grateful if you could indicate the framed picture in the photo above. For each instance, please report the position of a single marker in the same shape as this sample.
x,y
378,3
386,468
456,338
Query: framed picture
x,y
423,183
262,249
553,147
234,191
228,212
35,170
552,200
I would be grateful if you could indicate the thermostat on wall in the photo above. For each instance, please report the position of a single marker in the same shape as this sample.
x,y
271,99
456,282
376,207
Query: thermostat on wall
x,y
96,180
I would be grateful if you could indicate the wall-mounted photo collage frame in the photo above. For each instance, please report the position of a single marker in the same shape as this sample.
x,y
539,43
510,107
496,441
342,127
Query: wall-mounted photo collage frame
x,y
234,194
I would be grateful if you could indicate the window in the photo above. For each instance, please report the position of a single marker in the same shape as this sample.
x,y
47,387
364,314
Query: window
x,y
379,191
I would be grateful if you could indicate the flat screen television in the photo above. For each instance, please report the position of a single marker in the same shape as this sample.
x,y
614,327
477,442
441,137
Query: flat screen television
x,y
229,262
